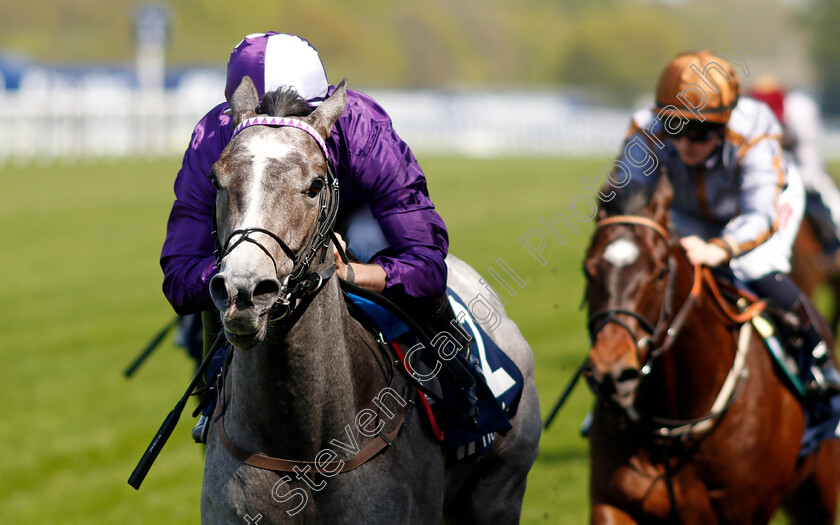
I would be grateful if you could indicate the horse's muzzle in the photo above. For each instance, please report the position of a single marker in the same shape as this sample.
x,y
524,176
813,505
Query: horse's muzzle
x,y
243,301
617,383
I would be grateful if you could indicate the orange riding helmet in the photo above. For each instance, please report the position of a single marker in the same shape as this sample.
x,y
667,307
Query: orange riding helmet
x,y
698,86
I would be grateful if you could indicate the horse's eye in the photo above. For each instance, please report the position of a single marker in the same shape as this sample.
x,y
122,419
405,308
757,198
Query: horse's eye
x,y
214,180
315,188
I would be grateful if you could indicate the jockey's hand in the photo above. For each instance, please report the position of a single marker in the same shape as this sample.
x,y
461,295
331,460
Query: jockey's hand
x,y
369,276
701,252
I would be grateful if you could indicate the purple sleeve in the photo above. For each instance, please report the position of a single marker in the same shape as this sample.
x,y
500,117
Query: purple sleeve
x,y
384,171
187,256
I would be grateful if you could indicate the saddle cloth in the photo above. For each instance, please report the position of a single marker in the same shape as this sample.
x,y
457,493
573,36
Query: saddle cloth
x,y
794,366
822,414
498,380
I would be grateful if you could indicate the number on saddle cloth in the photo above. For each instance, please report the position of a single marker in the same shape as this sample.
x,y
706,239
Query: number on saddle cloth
x,y
498,381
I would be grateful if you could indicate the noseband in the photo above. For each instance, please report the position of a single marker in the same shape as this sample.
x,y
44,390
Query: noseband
x,y
667,326
300,282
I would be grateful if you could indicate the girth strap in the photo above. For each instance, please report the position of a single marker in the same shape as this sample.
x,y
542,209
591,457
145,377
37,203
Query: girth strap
x,y
287,465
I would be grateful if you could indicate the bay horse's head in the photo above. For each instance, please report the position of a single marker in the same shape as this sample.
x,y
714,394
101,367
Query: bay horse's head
x,y
275,206
629,271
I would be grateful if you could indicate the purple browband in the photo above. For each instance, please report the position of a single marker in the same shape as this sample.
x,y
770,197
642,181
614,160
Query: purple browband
x,y
283,121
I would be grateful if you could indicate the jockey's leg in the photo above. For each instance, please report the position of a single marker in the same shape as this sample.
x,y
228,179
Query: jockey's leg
x,y
364,240
212,326
436,313
764,270
784,293
199,432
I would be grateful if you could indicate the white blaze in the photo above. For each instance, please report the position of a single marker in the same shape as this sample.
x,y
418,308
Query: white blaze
x,y
621,252
263,151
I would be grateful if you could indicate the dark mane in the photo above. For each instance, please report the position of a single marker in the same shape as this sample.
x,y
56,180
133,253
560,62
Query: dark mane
x,y
284,102
630,200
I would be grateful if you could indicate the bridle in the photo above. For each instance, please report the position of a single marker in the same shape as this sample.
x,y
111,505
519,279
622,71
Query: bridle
x,y
668,328
668,325
300,282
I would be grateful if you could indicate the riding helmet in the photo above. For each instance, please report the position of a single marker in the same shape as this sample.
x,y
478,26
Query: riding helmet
x,y
273,60
698,86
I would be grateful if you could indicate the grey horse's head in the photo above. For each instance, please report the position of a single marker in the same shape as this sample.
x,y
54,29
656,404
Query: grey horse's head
x,y
269,181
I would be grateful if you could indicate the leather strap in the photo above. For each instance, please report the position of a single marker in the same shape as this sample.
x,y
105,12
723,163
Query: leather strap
x,y
736,317
287,465
636,219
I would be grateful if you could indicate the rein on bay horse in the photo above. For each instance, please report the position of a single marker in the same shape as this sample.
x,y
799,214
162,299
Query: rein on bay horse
x,y
668,326
692,423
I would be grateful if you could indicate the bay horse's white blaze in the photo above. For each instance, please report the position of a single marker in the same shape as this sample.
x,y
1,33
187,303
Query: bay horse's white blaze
x,y
621,252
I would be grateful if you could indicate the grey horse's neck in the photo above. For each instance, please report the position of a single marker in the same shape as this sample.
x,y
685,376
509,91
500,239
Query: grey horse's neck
x,y
298,390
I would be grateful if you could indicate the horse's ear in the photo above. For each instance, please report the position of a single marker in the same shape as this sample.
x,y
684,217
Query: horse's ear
x,y
244,101
324,117
660,202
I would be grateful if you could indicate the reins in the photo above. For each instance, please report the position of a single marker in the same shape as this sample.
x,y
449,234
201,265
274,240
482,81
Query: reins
x,y
301,285
300,282
669,327
263,461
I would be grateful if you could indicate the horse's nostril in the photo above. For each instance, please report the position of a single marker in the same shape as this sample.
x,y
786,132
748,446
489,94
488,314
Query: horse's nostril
x,y
266,288
606,388
218,290
628,374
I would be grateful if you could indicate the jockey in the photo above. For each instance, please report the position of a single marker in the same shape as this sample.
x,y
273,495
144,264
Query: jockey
x,y
737,202
801,135
392,228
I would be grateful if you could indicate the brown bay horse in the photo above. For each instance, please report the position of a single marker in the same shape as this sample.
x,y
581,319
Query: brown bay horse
x,y
692,424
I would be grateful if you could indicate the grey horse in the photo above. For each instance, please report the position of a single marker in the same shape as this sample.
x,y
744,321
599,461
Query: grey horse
x,y
317,390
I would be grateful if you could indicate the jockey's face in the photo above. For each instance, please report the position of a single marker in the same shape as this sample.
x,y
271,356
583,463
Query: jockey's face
x,y
693,152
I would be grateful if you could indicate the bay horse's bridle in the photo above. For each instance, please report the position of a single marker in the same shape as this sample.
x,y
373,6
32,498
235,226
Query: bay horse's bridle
x,y
668,326
300,282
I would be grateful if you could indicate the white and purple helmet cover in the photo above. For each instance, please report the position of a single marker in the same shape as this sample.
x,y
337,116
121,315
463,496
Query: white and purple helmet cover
x,y
273,60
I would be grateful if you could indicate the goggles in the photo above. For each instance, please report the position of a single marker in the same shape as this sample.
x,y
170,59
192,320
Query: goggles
x,y
696,131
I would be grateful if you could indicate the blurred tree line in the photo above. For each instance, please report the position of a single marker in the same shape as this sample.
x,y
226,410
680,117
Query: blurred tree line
x,y
612,50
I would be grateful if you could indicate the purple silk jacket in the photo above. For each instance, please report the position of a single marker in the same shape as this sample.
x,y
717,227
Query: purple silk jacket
x,y
372,164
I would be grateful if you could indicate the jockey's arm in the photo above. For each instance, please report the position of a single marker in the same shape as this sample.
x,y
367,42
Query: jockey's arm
x,y
762,178
383,172
187,257
368,276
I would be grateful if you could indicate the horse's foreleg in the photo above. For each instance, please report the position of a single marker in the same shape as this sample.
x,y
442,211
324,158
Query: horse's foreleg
x,y
603,514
